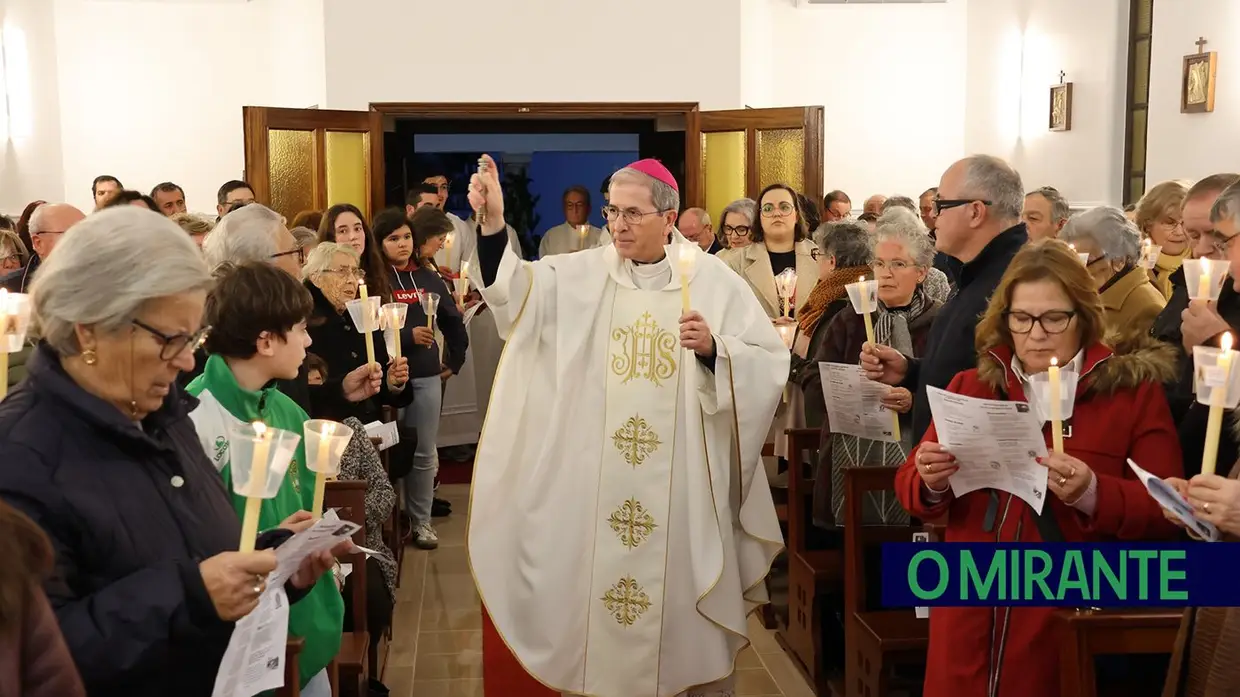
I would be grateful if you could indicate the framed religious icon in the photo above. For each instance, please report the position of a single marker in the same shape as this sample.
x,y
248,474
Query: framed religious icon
x,y
1061,107
1198,81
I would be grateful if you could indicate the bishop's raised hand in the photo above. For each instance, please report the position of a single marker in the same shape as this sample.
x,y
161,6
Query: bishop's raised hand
x,y
484,190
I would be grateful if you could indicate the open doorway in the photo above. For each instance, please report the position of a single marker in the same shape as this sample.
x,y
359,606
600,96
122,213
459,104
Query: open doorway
x,y
308,159
539,159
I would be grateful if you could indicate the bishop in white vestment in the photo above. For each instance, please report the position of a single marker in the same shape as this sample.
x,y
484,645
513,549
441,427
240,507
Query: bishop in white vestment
x,y
621,525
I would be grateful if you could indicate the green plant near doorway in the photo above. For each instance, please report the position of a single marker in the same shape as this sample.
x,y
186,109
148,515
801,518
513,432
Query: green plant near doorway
x,y
519,205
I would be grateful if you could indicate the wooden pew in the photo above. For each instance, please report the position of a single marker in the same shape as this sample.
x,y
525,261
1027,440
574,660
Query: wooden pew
x,y
354,660
393,529
875,640
292,668
1087,634
811,572
780,496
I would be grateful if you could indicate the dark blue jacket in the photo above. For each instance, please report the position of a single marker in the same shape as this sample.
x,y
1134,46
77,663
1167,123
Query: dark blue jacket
x,y
131,513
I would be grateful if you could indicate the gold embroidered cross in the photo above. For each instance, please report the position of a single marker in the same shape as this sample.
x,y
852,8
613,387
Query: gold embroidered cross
x,y
626,601
632,523
636,440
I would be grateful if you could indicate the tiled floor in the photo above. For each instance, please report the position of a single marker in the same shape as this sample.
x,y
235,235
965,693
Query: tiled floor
x,y
436,648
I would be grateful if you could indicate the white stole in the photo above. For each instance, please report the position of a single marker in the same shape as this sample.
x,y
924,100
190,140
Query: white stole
x,y
645,362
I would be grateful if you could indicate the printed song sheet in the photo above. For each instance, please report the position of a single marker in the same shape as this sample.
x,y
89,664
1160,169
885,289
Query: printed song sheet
x,y
854,402
254,659
996,444
1171,500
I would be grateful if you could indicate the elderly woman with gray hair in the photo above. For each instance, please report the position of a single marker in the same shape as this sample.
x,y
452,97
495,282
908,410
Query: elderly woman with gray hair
x,y
844,252
903,260
1130,301
99,450
736,224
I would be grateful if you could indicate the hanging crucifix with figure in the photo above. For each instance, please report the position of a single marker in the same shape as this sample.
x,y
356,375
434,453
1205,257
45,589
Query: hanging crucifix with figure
x,y
1061,105
1197,82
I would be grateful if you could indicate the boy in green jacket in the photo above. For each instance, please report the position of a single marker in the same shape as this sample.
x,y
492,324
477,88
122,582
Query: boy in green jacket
x,y
257,315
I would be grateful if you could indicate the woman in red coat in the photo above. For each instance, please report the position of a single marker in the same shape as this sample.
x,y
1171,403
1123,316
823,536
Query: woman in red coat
x,y
1045,307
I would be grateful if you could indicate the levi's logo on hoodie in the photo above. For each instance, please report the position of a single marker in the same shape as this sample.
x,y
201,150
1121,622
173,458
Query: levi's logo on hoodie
x,y
409,297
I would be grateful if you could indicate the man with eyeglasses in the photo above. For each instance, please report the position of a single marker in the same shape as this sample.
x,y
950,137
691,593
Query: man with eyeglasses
x,y
48,224
609,450
695,226
567,237
1185,325
977,222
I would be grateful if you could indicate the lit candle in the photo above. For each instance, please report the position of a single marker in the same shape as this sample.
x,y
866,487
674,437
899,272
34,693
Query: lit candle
x,y
322,464
786,286
4,343
1203,281
447,246
258,484
1052,374
1218,398
366,328
464,271
394,321
582,231
685,261
864,294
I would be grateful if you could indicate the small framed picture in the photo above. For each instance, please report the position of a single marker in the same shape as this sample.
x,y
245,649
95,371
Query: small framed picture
x,y
1197,83
1061,107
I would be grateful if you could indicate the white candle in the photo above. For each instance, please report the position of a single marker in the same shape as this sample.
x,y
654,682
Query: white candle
x,y
864,293
258,484
1218,398
322,463
366,328
4,342
1052,374
685,261
1203,281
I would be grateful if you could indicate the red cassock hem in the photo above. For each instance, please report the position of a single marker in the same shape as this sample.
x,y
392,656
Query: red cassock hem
x,y
502,674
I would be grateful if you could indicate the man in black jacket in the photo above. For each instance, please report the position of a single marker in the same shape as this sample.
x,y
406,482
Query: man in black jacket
x,y
978,205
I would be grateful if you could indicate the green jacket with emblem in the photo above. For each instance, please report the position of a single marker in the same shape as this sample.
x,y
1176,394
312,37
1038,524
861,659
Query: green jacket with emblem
x,y
319,616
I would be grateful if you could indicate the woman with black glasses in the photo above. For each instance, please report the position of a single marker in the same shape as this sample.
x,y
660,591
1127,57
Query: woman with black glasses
x,y
1045,309
98,448
735,224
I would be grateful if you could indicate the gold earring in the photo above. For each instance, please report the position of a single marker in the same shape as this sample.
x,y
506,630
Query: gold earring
x,y
89,357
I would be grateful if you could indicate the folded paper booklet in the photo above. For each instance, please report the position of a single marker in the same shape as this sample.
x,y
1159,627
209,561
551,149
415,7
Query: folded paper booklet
x,y
387,433
1170,499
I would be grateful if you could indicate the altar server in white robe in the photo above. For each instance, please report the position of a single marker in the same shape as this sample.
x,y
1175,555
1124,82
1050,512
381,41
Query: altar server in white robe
x,y
460,244
620,524
576,233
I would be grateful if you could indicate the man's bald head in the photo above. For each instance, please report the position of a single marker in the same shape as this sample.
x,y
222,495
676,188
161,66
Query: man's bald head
x,y
695,225
874,204
49,223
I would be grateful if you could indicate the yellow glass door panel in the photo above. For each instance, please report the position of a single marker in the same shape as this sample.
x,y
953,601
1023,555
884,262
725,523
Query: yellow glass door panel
x,y
309,159
754,148
781,157
348,169
723,168
290,160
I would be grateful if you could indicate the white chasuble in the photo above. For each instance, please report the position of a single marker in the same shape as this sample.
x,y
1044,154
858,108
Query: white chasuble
x,y
620,522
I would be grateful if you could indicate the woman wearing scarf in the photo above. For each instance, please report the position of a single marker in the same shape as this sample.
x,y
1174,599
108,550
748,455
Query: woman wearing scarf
x,y
903,256
1159,218
1130,302
844,252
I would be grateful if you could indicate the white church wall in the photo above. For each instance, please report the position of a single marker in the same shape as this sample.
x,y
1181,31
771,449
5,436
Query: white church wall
x,y
1192,146
151,92
30,130
891,79
500,51
1016,49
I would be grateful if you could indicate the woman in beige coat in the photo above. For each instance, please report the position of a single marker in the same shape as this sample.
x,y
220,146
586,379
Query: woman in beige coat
x,y
1130,301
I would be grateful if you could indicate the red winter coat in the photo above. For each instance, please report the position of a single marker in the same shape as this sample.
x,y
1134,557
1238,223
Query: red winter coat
x,y
1120,412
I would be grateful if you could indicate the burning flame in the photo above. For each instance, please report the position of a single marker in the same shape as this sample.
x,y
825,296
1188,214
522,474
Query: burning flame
x,y
1054,361
260,429
1225,342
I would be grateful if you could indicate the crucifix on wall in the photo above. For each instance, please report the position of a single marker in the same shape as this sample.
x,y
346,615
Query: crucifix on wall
x,y
1197,82
1061,105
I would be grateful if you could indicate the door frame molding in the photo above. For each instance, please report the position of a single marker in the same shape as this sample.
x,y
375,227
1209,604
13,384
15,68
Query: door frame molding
x,y
689,111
